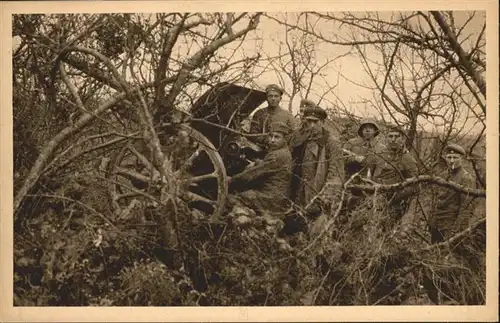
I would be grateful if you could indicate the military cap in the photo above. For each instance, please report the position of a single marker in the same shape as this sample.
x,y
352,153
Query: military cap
x,y
455,148
393,128
280,127
365,122
274,87
315,113
307,103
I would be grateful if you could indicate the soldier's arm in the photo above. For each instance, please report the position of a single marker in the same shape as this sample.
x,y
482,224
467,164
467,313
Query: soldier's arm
x,y
256,128
293,123
269,165
349,145
377,167
335,173
410,170
377,155
467,202
412,167
372,158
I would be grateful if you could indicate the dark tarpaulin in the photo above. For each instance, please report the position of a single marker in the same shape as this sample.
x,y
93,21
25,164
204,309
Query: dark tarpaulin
x,y
219,104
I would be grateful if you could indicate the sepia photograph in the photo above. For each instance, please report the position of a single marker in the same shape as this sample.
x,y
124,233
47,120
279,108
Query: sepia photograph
x,y
250,158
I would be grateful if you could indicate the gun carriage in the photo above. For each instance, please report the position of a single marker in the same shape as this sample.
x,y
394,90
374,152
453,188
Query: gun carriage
x,y
205,146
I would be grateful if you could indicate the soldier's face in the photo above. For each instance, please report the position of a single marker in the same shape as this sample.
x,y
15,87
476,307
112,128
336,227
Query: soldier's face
x,y
394,140
368,131
453,160
273,98
276,140
313,124
301,111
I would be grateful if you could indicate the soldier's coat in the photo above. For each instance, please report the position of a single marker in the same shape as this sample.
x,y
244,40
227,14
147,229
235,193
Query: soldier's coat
x,y
362,147
453,210
368,149
391,167
318,168
264,118
274,176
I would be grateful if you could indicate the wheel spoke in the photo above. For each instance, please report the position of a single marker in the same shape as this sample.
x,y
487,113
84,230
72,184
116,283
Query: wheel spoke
x,y
132,174
196,197
199,178
189,161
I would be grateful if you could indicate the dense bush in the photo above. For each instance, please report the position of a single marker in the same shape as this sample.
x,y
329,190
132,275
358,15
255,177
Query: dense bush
x,y
75,251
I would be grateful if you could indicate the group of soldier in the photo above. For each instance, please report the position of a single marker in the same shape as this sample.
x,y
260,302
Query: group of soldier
x,y
306,167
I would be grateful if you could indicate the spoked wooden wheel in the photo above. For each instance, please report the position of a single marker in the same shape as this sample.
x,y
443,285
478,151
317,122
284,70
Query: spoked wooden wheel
x,y
197,170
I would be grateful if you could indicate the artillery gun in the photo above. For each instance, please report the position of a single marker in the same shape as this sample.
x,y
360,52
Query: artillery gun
x,y
205,148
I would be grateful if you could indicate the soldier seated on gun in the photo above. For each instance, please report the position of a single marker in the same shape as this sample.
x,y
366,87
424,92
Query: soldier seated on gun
x,y
270,178
395,164
360,157
452,209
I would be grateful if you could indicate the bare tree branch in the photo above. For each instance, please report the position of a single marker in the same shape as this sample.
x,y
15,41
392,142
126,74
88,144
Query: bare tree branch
x,y
421,179
462,56
194,61
49,149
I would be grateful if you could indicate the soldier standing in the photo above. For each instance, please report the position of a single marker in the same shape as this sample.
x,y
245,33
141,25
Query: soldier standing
x,y
318,176
453,210
360,157
451,214
363,149
304,104
263,118
272,174
395,164
318,172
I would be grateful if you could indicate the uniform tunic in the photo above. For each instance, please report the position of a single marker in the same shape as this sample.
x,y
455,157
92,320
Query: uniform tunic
x,y
367,148
263,118
453,210
318,168
274,176
394,167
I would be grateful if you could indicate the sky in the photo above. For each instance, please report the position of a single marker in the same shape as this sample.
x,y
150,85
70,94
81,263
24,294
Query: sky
x,y
346,72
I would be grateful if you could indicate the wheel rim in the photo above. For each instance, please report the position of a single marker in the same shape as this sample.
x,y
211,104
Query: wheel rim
x,y
197,168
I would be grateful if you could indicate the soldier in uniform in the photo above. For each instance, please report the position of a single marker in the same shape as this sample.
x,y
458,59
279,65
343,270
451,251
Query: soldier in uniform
x,y
363,149
318,172
360,157
453,210
272,176
451,214
263,118
395,164
318,176
304,104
